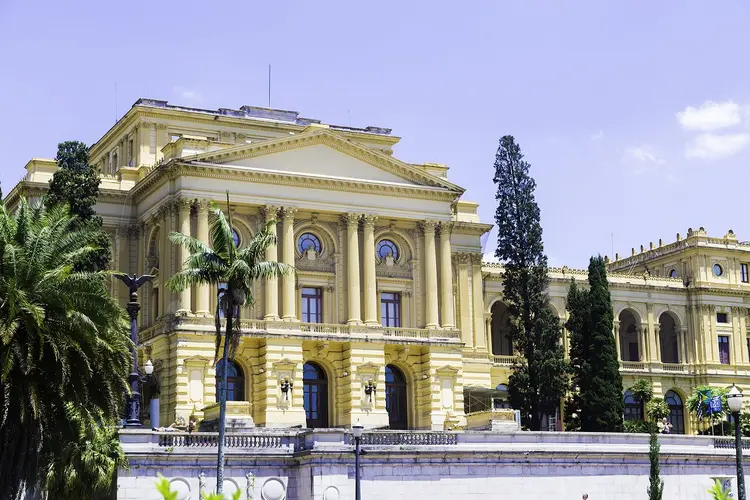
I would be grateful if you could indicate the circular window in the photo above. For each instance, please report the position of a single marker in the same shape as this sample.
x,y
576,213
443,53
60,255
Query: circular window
x,y
307,241
386,248
673,273
718,271
236,237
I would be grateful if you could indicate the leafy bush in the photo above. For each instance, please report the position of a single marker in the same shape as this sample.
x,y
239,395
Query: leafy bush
x,y
718,492
640,427
657,409
642,390
163,487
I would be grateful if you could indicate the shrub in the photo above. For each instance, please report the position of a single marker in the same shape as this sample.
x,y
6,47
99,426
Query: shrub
x,y
657,409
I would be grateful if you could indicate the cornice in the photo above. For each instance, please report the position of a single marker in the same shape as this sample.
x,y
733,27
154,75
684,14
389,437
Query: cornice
x,y
476,228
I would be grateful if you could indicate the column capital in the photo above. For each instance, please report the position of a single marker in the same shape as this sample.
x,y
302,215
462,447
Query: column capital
x,y
350,219
270,212
463,257
182,204
202,205
446,227
288,213
369,220
428,226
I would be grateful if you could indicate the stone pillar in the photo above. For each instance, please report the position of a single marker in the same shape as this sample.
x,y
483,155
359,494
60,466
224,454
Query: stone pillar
x,y
682,344
430,266
272,284
165,259
656,356
480,336
289,307
616,333
202,302
462,262
368,263
643,337
352,267
183,213
140,267
446,277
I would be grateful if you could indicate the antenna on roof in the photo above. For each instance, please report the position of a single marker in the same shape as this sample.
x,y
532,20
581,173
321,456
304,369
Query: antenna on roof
x,y
269,85
115,102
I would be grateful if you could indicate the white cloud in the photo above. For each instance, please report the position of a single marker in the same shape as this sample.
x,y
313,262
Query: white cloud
x,y
190,96
710,116
597,136
642,158
717,146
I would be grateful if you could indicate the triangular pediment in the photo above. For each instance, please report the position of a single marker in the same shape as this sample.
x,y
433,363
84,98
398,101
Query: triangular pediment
x,y
322,153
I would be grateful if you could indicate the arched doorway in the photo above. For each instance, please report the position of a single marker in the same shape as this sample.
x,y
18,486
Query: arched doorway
x,y
235,381
668,340
676,412
315,395
630,348
395,398
501,341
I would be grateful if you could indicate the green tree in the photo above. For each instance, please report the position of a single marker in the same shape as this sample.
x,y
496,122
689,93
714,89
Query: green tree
x,y
595,403
64,344
539,380
76,183
222,263
655,482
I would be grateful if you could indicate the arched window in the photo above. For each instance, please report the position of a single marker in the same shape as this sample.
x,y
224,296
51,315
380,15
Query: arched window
x,y
235,381
395,398
633,407
307,241
676,412
315,395
387,247
236,237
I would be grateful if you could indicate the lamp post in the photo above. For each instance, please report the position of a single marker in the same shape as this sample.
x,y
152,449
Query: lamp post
x,y
734,399
357,430
133,405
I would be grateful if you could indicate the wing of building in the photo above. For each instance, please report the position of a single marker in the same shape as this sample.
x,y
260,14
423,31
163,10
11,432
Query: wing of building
x,y
391,318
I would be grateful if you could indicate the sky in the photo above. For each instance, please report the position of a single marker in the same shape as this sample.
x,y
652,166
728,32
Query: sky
x,y
634,116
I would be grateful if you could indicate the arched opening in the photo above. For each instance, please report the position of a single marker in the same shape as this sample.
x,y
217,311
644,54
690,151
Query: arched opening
x,y
630,348
315,395
633,407
396,403
502,344
676,412
668,339
235,381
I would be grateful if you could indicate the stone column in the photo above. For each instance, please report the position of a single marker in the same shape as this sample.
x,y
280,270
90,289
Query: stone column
x,y
289,307
480,336
682,344
202,301
462,263
446,276
183,213
368,263
616,333
165,259
272,284
352,267
430,266
643,332
657,343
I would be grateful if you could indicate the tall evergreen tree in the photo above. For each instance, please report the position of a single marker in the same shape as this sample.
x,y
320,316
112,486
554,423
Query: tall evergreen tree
x,y
77,183
655,482
596,399
539,379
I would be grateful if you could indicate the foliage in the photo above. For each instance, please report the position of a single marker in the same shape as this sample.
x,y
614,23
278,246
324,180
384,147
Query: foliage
x,y
655,483
642,390
76,184
639,427
697,402
163,487
718,492
539,379
64,344
236,269
596,403
657,409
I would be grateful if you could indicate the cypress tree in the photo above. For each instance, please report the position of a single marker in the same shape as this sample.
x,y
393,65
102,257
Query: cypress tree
x,y
539,378
597,384
77,183
655,482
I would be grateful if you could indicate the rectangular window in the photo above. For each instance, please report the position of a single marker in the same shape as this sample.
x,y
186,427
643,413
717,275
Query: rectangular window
x,y
724,349
312,305
131,151
722,318
155,295
743,273
390,309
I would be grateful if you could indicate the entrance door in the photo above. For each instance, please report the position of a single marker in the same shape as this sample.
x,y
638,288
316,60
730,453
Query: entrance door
x,y
395,398
315,395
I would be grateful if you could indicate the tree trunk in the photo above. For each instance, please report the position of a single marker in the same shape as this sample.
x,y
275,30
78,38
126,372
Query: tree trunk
x,y
223,398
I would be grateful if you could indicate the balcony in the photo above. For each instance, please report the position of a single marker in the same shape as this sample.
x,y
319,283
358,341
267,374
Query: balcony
x,y
633,366
503,360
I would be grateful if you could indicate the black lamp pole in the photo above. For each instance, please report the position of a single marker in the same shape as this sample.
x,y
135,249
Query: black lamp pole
x,y
357,430
738,455
133,405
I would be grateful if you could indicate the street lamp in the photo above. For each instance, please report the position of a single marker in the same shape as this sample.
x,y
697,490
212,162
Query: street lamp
x,y
734,399
357,430
133,406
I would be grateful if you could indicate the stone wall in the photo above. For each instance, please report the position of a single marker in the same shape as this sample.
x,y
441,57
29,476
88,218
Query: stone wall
x,y
319,465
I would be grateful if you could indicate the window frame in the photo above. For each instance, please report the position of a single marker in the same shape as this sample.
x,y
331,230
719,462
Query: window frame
x,y
386,242
723,315
388,305
305,300
723,340
744,277
314,238
720,273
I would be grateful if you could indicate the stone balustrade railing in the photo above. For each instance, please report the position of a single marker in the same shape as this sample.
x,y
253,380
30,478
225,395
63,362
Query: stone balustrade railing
x,y
211,439
409,438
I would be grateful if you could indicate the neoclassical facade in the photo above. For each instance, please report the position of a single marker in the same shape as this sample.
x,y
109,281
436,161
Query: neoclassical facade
x,y
391,318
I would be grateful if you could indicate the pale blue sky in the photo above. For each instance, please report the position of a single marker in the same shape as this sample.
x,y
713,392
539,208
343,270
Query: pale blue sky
x,y
592,90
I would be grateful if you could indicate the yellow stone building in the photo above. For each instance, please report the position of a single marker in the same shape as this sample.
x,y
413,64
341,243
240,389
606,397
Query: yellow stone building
x,y
391,318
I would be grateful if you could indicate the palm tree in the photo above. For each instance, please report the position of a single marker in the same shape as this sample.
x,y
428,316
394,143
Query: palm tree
x,y
64,345
232,271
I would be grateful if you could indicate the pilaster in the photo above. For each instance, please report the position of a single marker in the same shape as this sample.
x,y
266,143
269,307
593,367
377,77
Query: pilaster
x,y
351,221
431,284
272,284
447,312
183,212
203,295
368,264
289,306
616,333
480,336
462,261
